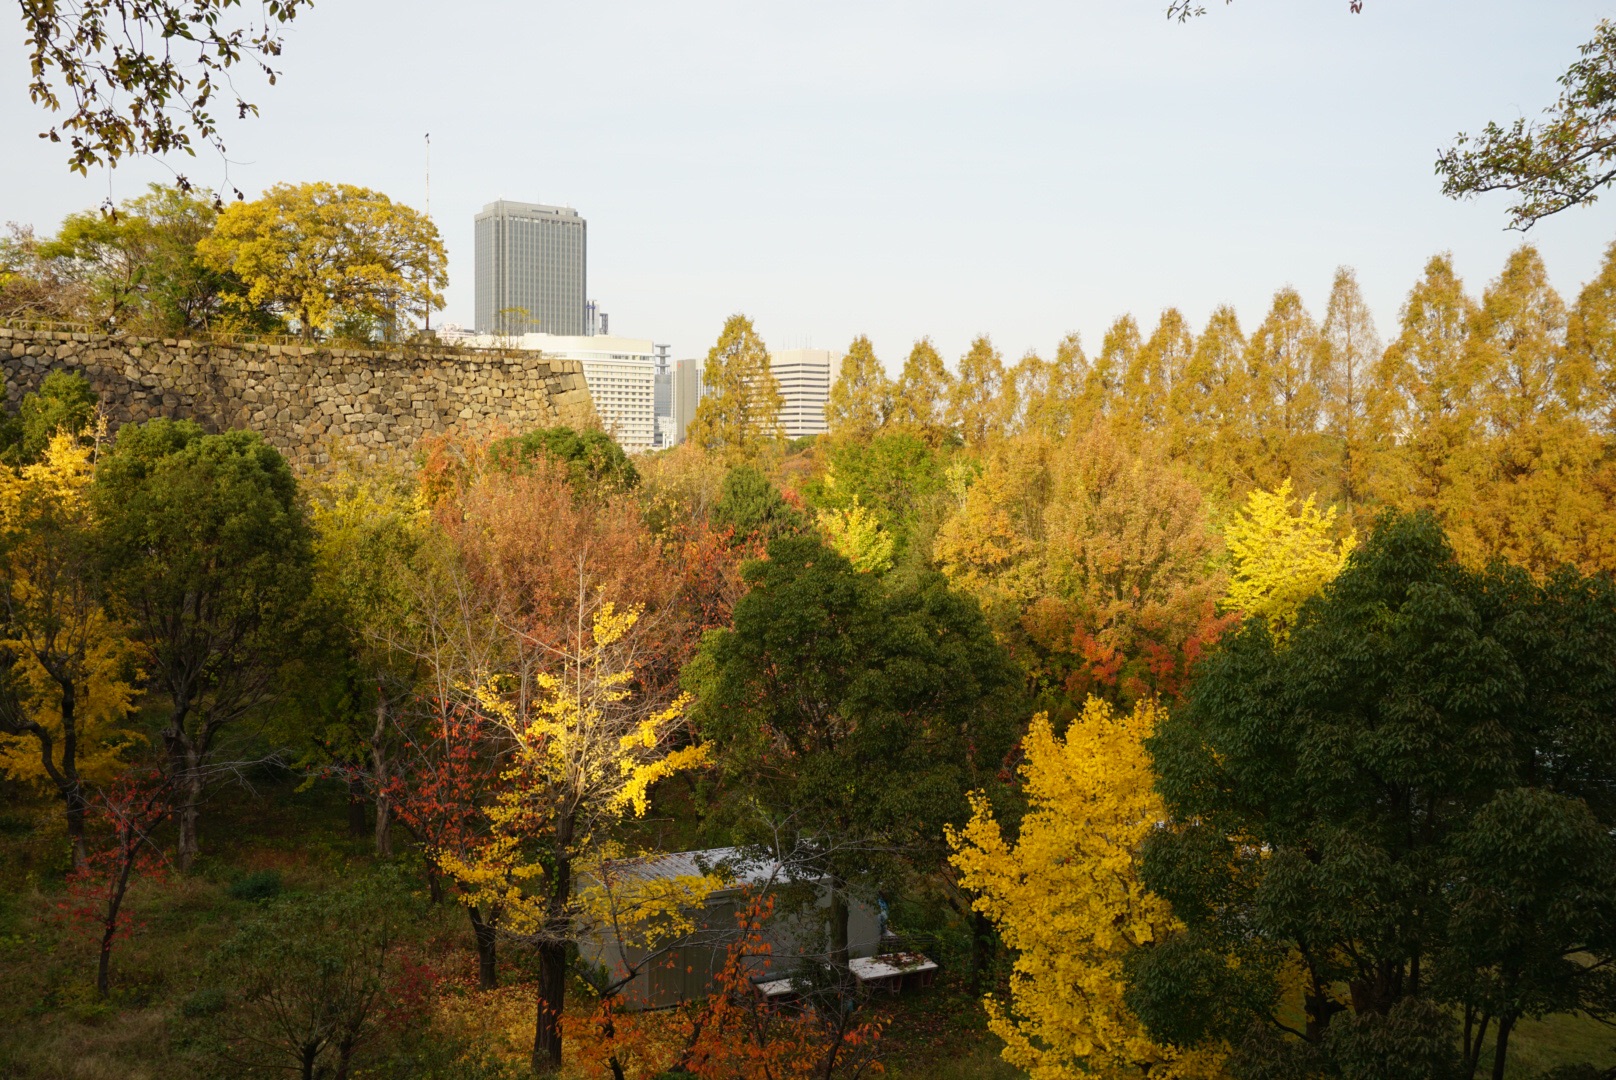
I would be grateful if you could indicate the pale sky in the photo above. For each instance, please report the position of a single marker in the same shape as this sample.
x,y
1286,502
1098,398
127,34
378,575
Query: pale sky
x,y
949,168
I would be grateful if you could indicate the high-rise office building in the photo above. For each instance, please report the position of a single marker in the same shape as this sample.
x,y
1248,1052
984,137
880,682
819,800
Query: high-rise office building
x,y
805,377
688,390
531,274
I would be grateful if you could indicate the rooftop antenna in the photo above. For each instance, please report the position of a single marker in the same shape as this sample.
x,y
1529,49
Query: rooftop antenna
x,y
428,326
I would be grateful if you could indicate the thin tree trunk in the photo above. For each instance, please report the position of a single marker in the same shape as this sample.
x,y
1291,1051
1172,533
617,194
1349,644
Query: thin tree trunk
x,y
190,811
110,931
551,999
378,763
981,952
839,916
356,807
482,933
1506,1024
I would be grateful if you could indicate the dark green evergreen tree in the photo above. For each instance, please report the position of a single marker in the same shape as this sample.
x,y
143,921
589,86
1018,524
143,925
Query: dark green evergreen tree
x,y
1410,806
850,721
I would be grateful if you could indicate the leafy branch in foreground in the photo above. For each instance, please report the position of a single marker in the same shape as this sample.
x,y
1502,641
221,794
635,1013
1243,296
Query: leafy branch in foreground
x,y
1562,161
1185,10
114,63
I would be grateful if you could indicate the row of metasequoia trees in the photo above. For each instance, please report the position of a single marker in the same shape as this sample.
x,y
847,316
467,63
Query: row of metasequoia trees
x,y
1496,412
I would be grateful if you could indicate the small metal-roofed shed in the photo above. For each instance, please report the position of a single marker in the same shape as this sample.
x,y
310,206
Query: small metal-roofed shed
x,y
687,970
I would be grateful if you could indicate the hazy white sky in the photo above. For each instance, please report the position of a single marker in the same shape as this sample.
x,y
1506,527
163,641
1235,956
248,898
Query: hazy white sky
x,y
901,168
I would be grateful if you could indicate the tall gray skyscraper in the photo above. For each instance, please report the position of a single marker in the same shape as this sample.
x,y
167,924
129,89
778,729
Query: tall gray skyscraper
x,y
532,263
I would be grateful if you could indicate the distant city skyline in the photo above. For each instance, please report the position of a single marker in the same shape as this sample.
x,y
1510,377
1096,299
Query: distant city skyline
x,y
904,169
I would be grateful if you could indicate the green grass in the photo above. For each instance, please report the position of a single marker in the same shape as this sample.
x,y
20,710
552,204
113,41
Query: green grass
x,y
53,1028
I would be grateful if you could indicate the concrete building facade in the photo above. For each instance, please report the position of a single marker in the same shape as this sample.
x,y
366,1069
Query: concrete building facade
x,y
620,373
531,272
805,377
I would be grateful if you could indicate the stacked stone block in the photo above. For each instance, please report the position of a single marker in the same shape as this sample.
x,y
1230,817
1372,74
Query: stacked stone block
x,y
309,401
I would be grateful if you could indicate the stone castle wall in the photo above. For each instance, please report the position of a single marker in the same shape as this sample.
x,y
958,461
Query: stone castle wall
x,y
308,400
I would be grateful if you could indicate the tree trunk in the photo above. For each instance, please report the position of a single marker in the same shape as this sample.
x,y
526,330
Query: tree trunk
x,y
1506,1024
482,933
551,999
190,811
981,952
109,931
356,807
378,763
76,807
839,916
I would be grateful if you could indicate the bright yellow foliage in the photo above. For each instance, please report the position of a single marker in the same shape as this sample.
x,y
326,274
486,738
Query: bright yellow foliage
x,y
56,618
1066,898
856,534
321,252
585,758
1282,556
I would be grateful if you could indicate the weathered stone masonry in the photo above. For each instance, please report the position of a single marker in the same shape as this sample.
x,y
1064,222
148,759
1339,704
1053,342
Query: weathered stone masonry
x,y
307,400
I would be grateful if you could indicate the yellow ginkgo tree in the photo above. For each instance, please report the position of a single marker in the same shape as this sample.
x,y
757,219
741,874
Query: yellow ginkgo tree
x,y
66,669
1283,553
585,750
1065,895
856,534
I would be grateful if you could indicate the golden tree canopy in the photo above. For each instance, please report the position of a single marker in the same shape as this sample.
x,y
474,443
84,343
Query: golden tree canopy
x,y
740,414
1282,556
1066,897
321,252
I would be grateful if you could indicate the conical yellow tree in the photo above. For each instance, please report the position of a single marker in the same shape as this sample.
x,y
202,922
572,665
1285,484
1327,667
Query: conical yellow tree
x,y
1426,390
1066,897
1591,345
920,401
739,417
1282,393
1158,366
1535,505
1349,349
974,406
861,398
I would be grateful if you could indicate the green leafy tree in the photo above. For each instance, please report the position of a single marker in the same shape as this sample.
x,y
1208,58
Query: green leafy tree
x,y
861,399
115,64
1567,159
896,476
753,508
592,457
321,253
208,559
306,980
64,401
369,541
739,416
1400,817
920,400
849,721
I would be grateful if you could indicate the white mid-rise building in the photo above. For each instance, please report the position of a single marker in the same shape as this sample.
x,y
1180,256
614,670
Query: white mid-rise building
x,y
805,377
620,372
